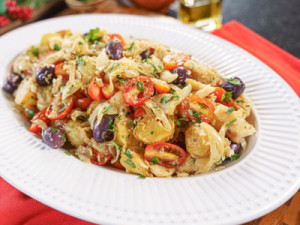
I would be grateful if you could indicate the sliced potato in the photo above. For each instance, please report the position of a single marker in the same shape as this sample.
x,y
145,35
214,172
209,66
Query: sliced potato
x,y
24,94
135,163
197,143
124,136
240,129
161,171
150,130
76,133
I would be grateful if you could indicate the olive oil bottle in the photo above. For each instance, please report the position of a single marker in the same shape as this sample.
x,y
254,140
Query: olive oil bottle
x,y
204,14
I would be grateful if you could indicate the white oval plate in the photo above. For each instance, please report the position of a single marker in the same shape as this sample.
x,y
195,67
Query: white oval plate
x,y
263,179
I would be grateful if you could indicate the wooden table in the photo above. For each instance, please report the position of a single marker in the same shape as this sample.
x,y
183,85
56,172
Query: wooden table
x,y
288,213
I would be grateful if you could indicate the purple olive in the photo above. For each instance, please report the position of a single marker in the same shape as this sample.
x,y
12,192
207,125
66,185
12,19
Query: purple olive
x,y
11,83
183,73
236,147
45,76
114,49
54,137
145,54
104,130
234,85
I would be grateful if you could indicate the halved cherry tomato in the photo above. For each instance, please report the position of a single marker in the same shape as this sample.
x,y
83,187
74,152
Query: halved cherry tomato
x,y
138,90
161,86
175,60
83,103
223,97
198,109
107,91
165,154
117,36
41,115
118,165
139,112
59,70
94,91
100,159
59,109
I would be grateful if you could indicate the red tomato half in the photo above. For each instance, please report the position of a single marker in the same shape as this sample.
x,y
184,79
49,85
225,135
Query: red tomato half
x,y
59,70
139,112
161,86
165,154
41,115
83,103
107,91
59,109
198,109
100,159
118,165
94,91
220,93
138,90
174,60
117,36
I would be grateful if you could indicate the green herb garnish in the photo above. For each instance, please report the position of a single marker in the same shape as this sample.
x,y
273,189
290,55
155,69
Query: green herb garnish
x,y
230,123
142,176
114,66
230,110
107,109
128,154
92,35
154,161
56,47
121,80
140,86
130,47
118,146
235,157
30,113
80,60
68,153
234,81
166,98
226,97
130,163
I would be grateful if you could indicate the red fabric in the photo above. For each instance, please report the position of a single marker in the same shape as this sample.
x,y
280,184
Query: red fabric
x,y
16,208
286,65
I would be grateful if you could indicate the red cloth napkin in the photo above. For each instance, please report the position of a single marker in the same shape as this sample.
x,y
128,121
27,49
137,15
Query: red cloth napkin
x,y
286,65
17,208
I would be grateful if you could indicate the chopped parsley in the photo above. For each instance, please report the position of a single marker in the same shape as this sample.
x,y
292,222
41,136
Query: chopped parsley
x,y
141,176
194,159
154,161
68,153
172,91
132,124
235,157
80,43
226,97
128,136
30,113
106,109
128,154
114,66
154,70
102,159
130,163
56,47
118,146
230,110
240,101
147,58
34,51
155,92
121,80
140,86
234,81
160,66
166,98
80,60
195,114
230,123
93,35
130,47
55,130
